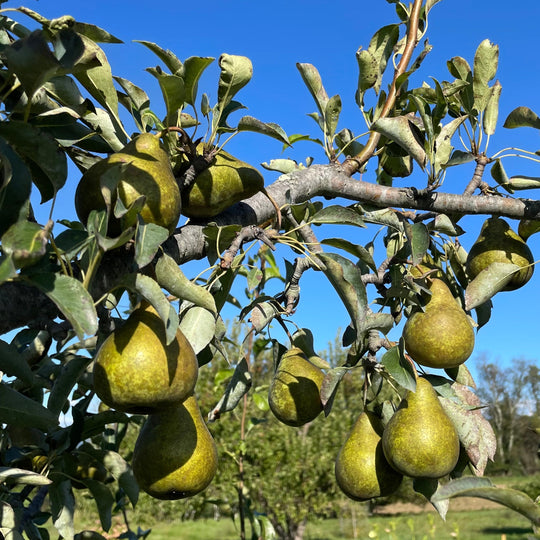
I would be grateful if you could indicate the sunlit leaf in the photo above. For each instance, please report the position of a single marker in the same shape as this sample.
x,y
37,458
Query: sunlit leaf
x,y
172,89
488,283
199,326
312,79
491,113
192,70
486,60
236,72
170,276
148,238
399,367
248,123
336,214
166,56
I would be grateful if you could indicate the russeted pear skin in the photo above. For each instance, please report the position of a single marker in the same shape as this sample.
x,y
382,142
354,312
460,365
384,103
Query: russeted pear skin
x,y
420,440
294,393
362,472
175,455
147,171
441,336
135,371
497,242
225,182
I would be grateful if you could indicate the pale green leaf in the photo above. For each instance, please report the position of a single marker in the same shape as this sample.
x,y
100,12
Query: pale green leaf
x,y
486,60
172,89
331,115
522,117
199,326
71,298
336,214
248,123
170,276
166,56
312,79
491,113
192,70
236,72
402,131
399,368
148,238
488,283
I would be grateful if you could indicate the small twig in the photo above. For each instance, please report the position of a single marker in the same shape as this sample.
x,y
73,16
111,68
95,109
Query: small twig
x,y
378,277
476,181
247,234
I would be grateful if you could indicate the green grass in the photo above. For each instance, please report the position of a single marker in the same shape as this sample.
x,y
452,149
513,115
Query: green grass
x,y
480,524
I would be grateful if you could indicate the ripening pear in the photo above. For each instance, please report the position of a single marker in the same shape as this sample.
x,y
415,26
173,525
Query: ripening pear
x,y
225,182
442,335
294,393
420,440
135,371
497,242
175,455
362,472
147,171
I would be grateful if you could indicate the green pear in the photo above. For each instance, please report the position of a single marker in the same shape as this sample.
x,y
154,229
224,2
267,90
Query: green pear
x,y
225,182
497,242
442,335
147,171
175,455
362,472
420,440
294,393
135,371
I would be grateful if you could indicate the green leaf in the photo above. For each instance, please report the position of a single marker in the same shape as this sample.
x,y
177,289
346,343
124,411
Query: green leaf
x,y
522,117
32,61
104,500
148,238
461,70
41,152
330,386
443,142
354,249
475,432
199,326
381,48
522,183
191,73
237,388
17,409
427,487
491,113
419,240
368,73
399,368
483,488
71,298
488,283
150,290
15,189
26,242
99,82
172,89
62,508
313,81
66,380
170,276
331,115
486,60
248,123
346,279
95,33
166,56
401,130
12,363
336,214
498,173
236,72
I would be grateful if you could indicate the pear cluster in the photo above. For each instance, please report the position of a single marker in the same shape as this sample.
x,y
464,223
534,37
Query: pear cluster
x,y
135,371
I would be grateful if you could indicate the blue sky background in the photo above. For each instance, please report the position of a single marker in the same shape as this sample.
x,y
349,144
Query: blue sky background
x,y
276,35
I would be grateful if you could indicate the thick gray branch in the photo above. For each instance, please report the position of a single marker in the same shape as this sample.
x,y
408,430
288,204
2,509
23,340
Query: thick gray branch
x,y
20,305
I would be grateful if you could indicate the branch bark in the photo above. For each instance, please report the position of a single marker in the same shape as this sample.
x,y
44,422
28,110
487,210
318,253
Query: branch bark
x,y
329,181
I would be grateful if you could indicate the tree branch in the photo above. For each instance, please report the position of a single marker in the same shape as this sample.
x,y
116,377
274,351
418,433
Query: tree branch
x,y
189,243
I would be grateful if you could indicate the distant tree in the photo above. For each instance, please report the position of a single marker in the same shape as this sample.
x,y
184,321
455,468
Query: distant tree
x,y
513,403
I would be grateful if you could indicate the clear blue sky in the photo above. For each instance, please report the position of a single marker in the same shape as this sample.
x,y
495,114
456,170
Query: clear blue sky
x,y
276,35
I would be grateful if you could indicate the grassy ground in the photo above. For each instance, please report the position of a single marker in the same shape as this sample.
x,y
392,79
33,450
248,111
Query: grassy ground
x,y
480,524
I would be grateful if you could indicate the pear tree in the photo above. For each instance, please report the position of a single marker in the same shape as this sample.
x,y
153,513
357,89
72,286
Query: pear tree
x,y
155,193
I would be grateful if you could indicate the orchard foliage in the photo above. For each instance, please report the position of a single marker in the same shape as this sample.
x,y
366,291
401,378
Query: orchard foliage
x,y
64,285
